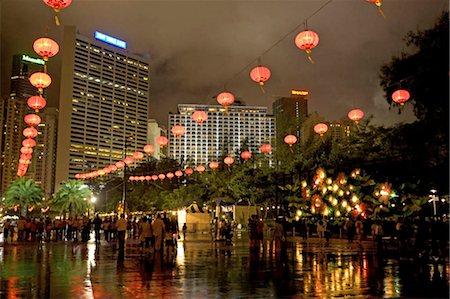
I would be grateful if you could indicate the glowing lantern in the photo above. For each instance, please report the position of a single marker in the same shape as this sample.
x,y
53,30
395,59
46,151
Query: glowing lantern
x,y
128,160
246,155
142,178
228,161
25,156
162,141
45,47
400,96
30,132
36,102
154,177
120,164
200,168
378,4
260,74
26,150
290,139
189,171
101,172
161,176
178,131
178,173
132,178
32,120
321,129
138,156
169,175
225,99
23,161
77,176
57,5
356,115
40,80
148,178
28,142
199,116
265,148
213,165
149,149
307,40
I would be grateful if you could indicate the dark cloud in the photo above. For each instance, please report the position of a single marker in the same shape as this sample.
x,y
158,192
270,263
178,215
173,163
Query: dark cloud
x,y
196,46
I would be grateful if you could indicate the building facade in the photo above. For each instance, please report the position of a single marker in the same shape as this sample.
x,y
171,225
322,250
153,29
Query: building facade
x,y
153,132
104,99
224,133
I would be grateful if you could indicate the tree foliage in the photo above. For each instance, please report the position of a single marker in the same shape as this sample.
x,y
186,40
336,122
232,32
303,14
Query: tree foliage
x,y
24,193
73,197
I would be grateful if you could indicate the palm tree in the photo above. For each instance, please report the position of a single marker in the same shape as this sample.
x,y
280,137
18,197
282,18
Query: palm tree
x,y
72,197
23,192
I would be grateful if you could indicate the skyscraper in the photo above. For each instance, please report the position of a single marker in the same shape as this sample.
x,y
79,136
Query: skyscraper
x,y
104,98
223,133
153,131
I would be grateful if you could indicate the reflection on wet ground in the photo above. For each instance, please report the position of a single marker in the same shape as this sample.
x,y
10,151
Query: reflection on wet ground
x,y
202,269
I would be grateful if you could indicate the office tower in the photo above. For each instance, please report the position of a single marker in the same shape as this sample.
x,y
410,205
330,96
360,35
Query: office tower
x,y
154,131
340,129
104,98
224,133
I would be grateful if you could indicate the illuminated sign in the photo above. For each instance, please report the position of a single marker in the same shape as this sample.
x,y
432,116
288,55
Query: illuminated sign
x,y
32,59
296,92
110,40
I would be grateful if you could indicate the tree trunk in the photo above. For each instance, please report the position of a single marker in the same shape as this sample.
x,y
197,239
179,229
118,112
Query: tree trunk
x,y
23,210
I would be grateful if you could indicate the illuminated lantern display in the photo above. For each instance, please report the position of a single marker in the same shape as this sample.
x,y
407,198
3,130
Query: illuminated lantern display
x,y
321,129
200,168
290,139
265,148
142,178
32,120
101,172
228,161
213,165
36,103
40,80
260,74
356,115
45,47
120,164
178,131
178,173
28,142
189,171
199,116
400,96
57,5
30,132
113,168
246,155
23,161
162,141
148,178
154,177
138,156
78,176
128,160
25,156
26,150
225,99
307,40
149,149
169,175
161,176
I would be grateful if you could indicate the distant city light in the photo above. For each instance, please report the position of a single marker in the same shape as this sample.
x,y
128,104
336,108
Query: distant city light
x,y
110,40
32,59
296,92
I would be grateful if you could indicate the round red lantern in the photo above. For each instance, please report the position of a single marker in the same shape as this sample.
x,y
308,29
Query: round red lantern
x,y
57,5
178,173
356,115
246,155
161,176
307,40
26,150
45,47
400,96
128,160
169,175
225,99
36,102
228,161
199,116
30,132
113,168
290,139
189,171
260,74
149,149
32,120
40,80
178,131
23,161
101,172
77,176
138,156
25,156
321,129
154,177
213,165
148,178
265,148
28,142
120,164
162,141
376,2
132,178
200,168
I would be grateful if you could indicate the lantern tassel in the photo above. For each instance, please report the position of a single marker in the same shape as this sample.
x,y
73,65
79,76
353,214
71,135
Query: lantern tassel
x,y
380,11
262,89
310,59
45,68
57,21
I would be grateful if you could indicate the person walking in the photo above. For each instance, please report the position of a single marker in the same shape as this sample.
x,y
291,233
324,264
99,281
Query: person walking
x,y
350,228
6,228
145,234
184,231
278,237
359,230
320,230
121,230
97,222
158,232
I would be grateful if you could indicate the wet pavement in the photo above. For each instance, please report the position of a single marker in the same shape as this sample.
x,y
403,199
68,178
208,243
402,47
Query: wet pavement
x,y
204,269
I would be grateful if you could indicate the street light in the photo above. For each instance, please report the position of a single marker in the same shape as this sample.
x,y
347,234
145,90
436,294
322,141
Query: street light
x,y
433,198
93,199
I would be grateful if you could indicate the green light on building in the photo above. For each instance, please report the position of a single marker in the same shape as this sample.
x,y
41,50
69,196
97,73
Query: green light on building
x,y
32,59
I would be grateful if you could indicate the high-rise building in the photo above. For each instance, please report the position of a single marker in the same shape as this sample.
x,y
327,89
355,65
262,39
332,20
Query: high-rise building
x,y
103,101
153,132
223,133
340,129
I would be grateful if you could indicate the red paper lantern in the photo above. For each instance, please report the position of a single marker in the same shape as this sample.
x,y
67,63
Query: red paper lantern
x,y
189,171
307,40
25,156
149,149
32,120
178,173
148,178
400,96
199,116
246,155
132,178
161,176
154,177
45,47
57,5
200,168
356,115
265,148
162,141
120,164
77,176
260,74
169,175
290,139
26,150
321,129
128,160
30,132
113,168
24,161
213,165
225,99
36,103
101,172
28,142
178,130
376,2
40,80
138,156
142,178
228,161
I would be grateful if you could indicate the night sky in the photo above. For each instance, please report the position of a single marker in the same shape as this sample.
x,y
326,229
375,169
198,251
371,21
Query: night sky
x,y
196,46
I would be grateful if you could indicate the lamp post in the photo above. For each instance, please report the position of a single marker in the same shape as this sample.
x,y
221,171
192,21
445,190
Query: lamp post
x,y
125,172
